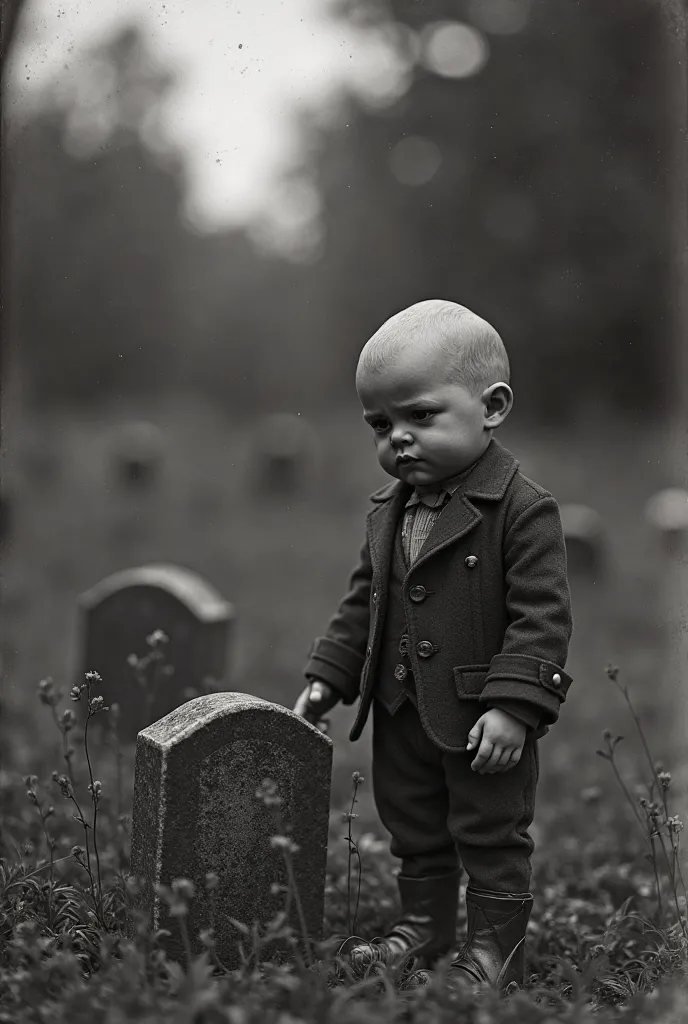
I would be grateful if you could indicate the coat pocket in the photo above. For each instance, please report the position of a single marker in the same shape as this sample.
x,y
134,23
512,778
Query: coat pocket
x,y
469,681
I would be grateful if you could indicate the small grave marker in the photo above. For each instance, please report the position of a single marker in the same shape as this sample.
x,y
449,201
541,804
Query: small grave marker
x,y
137,454
123,610
667,513
196,812
283,449
585,540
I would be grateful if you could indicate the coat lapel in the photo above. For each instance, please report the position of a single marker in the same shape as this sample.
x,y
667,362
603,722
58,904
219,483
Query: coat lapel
x,y
382,525
487,481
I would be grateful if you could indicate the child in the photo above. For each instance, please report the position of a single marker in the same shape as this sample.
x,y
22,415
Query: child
x,y
455,630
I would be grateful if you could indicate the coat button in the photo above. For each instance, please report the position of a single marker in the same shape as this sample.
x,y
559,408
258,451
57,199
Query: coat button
x,y
556,679
369,651
418,593
472,561
425,649
375,597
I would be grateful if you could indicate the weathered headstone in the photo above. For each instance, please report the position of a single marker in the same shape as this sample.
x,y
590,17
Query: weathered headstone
x,y
137,453
667,514
585,540
283,450
196,812
123,610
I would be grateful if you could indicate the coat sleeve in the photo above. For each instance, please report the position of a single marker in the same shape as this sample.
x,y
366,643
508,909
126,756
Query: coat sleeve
x,y
337,657
530,666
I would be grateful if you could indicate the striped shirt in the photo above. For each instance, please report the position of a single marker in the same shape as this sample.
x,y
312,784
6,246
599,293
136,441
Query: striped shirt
x,y
421,513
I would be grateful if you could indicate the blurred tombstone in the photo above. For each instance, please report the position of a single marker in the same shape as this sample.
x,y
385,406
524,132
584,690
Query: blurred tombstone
x,y
137,452
667,513
196,812
283,450
121,617
585,541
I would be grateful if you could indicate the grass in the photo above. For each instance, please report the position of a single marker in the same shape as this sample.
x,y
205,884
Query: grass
x,y
63,955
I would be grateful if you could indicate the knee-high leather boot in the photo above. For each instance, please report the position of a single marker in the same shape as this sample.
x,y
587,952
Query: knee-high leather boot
x,y
494,950
424,931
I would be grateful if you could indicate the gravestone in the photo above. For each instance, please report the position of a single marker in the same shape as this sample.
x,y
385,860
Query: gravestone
x,y
667,514
195,811
283,450
585,541
137,453
123,610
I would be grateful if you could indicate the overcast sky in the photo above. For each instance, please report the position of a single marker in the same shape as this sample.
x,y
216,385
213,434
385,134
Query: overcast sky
x,y
244,65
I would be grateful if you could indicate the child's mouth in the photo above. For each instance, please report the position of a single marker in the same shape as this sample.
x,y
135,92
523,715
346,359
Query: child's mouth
x,y
406,459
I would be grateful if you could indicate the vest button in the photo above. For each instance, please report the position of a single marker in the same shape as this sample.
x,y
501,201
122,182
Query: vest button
x,y
472,561
425,649
418,593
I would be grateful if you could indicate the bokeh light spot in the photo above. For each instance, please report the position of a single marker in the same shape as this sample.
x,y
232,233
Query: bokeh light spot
x,y
454,50
415,160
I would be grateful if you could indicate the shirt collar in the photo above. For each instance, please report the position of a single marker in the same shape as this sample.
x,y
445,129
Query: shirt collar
x,y
435,498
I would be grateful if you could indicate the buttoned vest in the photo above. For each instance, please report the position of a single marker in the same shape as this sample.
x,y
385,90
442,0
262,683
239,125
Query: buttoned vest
x,y
390,690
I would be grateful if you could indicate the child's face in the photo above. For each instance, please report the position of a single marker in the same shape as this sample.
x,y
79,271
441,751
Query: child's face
x,y
427,428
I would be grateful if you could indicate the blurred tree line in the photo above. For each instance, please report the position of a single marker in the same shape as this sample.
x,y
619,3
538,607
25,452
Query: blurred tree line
x,y
533,191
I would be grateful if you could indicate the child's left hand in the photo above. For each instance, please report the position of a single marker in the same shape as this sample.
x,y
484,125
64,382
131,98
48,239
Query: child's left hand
x,y
499,738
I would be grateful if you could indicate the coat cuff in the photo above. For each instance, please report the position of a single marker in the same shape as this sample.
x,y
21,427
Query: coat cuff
x,y
337,665
541,683
520,709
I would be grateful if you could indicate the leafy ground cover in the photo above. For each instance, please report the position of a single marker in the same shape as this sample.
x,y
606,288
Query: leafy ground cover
x,y
607,935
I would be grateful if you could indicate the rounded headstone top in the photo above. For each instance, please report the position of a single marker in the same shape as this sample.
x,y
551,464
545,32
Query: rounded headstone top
x,y
200,712
581,521
138,438
185,585
668,510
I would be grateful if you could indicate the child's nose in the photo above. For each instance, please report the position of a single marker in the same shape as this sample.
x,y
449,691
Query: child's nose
x,y
400,436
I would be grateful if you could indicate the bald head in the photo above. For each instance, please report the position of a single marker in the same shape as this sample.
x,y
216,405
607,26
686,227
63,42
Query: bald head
x,y
433,330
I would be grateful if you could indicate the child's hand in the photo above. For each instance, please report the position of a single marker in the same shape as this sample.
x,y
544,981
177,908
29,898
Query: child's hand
x,y
499,738
315,701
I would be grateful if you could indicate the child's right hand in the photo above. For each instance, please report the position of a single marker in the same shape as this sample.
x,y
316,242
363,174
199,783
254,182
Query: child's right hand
x,y
316,700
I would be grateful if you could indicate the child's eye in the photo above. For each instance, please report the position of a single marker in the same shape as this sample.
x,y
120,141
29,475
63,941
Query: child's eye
x,y
421,415
379,426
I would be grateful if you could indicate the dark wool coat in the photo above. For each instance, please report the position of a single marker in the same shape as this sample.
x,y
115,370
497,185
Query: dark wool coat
x,y
487,605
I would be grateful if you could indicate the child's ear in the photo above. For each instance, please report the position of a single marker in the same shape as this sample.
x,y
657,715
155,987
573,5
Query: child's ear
x,y
497,400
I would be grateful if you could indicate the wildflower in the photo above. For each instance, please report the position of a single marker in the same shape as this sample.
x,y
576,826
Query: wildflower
x,y
644,802
211,881
75,693
68,720
664,779
132,661
157,638
184,888
283,843
64,784
348,816
612,672
96,703
675,824
78,852
93,677
95,790
357,779
606,734
47,693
